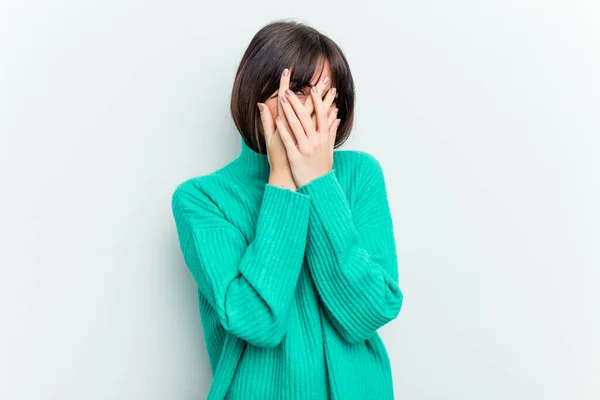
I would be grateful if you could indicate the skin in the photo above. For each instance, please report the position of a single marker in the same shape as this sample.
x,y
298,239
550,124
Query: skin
x,y
300,130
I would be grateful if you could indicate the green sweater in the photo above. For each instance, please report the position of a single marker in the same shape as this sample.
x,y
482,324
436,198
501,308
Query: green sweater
x,y
292,285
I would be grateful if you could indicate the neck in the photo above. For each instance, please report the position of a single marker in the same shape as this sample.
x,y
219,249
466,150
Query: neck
x,y
251,166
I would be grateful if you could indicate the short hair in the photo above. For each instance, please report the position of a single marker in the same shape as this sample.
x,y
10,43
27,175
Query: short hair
x,y
276,46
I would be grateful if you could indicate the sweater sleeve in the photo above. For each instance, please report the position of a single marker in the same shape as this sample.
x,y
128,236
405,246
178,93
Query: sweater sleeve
x,y
352,253
249,283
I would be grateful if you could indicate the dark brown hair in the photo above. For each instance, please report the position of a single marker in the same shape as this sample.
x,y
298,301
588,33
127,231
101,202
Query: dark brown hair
x,y
279,45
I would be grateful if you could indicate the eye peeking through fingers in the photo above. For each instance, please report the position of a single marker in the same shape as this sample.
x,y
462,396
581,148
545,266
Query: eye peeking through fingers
x,y
298,91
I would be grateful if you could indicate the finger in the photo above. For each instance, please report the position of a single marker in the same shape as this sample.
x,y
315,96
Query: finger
x,y
330,98
332,116
286,137
293,121
284,84
267,121
303,116
320,110
322,87
333,132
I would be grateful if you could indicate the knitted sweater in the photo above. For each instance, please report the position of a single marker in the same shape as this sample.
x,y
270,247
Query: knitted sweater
x,y
292,285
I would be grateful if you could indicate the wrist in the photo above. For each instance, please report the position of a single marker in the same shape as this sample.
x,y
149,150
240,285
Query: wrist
x,y
282,179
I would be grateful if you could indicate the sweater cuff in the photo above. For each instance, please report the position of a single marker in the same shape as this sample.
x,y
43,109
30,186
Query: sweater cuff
x,y
283,206
329,202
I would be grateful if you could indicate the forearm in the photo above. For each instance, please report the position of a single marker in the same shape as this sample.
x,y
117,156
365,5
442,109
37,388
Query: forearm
x,y
249,282
355,269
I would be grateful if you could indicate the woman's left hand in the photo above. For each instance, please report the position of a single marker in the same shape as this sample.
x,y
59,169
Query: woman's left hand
x,y
311,156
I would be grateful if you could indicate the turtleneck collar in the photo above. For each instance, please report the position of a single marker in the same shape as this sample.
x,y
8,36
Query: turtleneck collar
x,y
251,165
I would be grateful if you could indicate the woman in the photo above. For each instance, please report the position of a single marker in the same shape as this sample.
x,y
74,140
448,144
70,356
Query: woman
x,y
292,248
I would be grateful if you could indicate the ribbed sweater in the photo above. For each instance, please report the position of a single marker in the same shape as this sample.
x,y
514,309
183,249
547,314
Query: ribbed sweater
x,y
292,285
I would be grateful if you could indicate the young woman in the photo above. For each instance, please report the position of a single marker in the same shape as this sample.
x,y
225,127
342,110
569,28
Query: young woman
x,y
291,244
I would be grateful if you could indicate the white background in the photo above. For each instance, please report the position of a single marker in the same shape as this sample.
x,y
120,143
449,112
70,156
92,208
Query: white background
x,y
485,116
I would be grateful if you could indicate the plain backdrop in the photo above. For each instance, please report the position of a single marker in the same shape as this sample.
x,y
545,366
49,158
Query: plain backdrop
x,y
484,115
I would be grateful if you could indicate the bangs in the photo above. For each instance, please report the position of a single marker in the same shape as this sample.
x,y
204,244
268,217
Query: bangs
x,y
304,69
305,56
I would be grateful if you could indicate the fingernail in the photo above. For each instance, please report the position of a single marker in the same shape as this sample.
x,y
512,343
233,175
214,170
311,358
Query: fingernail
x,y
333,91
260,106
314,89
288,92
278,119
283,99
326,79
286,72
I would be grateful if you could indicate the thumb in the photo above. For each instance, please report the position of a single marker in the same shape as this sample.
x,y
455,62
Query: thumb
x,y
267,121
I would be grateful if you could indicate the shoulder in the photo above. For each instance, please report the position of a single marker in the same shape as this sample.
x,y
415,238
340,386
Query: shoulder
x,y
193,194
187,188
200,185
360,163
